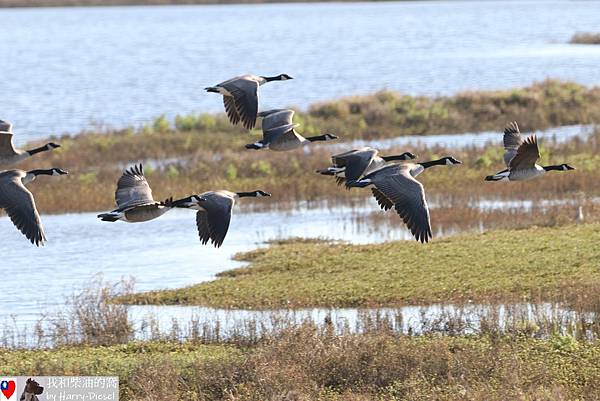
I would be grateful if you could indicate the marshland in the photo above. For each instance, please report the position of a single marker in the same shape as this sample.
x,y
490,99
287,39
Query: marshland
x,y
316,293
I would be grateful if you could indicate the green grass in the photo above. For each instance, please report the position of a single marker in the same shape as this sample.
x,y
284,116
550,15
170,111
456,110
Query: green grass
x,y
502,266
311,364
111,360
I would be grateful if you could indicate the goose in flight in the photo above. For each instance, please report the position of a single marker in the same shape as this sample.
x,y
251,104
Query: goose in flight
x,y
521,156
134,199
214,212
240,96
353,164
9,155
395,186
279,133
19,204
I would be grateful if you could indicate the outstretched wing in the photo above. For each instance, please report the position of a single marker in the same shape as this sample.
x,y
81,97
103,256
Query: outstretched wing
x,y
512,141
245,98
20,207
408,197
231,110
213,221
384,202
356,163
527,155
133,189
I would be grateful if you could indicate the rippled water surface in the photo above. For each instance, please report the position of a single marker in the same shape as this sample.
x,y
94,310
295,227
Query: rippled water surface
x,y
64,69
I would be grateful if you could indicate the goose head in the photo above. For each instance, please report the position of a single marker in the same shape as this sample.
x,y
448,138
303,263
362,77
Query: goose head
x,y
451,160
52,145
58,171
260,193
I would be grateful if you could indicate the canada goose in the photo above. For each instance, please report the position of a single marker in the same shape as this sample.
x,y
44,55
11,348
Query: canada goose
x,y
214,212
9,155
279,133
134,199
240,96
521,156
353,164
396,186
19,204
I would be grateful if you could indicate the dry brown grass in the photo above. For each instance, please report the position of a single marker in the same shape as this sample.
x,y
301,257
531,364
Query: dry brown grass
x,y
313,363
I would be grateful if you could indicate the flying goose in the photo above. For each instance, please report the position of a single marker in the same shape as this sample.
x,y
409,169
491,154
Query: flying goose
x,y
396,186
8,154
521,156
279,133
134,199
19,204
353,164
240,96
214,212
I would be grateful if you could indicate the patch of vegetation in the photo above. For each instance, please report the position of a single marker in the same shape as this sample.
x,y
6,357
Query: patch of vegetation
x,y
542,105
311,363
586,38
545,264
132,362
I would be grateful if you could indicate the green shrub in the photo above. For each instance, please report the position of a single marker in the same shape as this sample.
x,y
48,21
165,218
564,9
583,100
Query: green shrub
x,y
161,124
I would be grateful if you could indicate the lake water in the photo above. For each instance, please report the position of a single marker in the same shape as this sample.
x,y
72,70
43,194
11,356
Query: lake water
x,y
65,69
163,253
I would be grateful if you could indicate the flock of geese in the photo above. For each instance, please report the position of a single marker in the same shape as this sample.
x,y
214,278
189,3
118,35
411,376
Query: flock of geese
x,y
392,178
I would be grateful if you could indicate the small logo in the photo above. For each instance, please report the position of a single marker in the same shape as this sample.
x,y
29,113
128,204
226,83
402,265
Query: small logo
x,y
8,387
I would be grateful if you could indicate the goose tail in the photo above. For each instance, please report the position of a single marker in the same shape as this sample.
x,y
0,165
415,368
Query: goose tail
x,y
112,217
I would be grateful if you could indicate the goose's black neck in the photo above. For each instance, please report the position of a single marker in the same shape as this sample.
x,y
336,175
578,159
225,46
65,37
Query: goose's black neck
x,y
559,167
35,173
439,162
403,156
246,194
38,150
275,78
179,202
317,138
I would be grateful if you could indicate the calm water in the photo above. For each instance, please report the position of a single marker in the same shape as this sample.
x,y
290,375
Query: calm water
x,y
66,69
163,253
